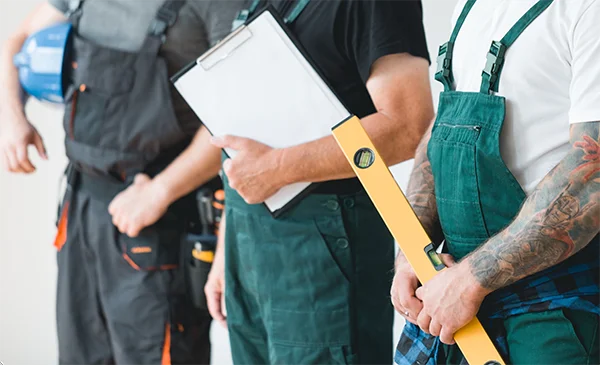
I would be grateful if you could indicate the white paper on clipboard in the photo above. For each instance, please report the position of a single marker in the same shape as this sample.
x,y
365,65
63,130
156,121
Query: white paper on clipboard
x,y
257,84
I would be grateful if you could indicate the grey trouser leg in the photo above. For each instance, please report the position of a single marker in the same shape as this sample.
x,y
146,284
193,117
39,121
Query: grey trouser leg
x,y
112,310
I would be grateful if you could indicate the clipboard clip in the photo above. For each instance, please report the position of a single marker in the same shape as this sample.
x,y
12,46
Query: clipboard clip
x,y
224,48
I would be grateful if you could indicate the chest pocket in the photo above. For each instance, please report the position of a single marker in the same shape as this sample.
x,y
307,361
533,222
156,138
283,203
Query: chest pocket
x,y
120,116
456,185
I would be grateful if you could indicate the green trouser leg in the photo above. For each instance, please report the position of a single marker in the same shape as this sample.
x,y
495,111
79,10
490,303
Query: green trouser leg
x,y
556,337
311,287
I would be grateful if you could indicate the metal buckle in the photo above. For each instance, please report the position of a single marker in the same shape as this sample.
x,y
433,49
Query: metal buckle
x,y
444,60
158,27
167,15
495,59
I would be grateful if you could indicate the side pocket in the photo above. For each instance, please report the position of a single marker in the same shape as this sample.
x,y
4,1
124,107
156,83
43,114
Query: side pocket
x,y
157,247
318,337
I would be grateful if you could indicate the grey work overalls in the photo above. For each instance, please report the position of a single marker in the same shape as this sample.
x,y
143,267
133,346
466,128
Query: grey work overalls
x,y
123,300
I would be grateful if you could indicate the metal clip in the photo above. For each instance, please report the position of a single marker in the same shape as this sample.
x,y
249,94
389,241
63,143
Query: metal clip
x,y
444,60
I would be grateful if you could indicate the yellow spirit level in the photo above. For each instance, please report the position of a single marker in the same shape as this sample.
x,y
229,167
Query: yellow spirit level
x,y
404,225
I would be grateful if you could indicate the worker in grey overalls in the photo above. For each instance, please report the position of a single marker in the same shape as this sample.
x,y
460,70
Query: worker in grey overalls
x,y
123,296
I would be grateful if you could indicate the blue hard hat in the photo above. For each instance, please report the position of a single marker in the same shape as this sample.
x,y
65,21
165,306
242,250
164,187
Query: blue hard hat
x,y
42,63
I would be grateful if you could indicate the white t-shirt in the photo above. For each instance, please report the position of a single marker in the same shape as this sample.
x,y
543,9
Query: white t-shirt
x,y
551,76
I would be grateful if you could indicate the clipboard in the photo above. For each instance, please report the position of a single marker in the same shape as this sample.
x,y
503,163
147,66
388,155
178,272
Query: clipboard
x,y
259,83
404,225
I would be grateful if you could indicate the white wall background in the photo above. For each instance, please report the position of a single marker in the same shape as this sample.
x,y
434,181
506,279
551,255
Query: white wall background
x,y
28,209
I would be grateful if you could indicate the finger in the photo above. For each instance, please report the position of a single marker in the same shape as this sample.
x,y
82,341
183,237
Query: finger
x,y
424,320
23,159
420,293
413,307
4,161
133,230
447,336
112,207
213,301
38,142
141,178
407,298
447,259
227,165
13,164
435,328
403,312
233,142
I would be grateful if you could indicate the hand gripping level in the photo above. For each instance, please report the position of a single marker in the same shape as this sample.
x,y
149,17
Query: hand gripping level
x,y
404,225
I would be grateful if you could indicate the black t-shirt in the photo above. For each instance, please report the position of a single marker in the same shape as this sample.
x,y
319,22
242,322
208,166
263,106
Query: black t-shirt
x,y
345,37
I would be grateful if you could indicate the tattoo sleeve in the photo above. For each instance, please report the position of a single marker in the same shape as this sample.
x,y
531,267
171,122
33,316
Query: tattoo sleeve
x,y
557,220
421,192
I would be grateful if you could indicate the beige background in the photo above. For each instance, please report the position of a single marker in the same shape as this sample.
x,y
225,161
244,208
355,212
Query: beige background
x,y
28,209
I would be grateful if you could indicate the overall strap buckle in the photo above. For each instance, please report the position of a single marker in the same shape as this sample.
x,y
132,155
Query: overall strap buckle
x,y
444,63
165,17
493,66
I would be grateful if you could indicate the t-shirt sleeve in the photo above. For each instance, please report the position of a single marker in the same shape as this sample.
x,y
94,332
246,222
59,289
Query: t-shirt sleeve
x,y
60,5
585,68
379,28
218,15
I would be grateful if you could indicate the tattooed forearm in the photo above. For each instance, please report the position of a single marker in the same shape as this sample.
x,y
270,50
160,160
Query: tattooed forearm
x,y
421,192
560,218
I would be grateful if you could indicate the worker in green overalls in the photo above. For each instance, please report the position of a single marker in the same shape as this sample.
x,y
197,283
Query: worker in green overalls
x,y
509,177
312,285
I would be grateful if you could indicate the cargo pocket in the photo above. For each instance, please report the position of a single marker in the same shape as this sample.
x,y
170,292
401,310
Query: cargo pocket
x,y
157,247
319,337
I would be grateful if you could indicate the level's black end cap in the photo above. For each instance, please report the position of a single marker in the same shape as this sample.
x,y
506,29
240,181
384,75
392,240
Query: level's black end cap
x,y
342,122
492,362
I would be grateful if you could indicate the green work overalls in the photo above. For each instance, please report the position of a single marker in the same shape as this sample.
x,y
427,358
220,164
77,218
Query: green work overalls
x,y
311,286
477,196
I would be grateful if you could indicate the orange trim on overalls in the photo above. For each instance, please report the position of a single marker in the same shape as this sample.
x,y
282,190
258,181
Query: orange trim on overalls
x,y
130,262
166,355
61,234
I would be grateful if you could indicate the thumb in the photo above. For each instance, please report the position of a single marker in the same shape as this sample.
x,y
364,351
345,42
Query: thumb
x,y
447,259
233,142
141,179
38,142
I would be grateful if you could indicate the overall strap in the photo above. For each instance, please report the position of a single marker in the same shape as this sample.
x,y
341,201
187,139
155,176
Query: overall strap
x,y
165,17
74,12
245,14
444,60
496,55
296,11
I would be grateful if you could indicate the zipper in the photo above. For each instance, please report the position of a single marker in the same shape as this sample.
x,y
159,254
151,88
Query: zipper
x,y
472,127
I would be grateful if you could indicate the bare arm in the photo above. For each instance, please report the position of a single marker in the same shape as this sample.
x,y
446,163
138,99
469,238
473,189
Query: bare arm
x,y
198,164
399,87
421,195
557,220
16,133
215,285
11,94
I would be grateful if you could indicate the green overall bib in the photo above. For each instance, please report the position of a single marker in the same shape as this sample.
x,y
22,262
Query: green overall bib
x,y
312,285
477,196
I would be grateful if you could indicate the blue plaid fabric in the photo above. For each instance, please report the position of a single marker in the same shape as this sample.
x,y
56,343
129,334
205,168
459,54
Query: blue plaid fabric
x,y
573,284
